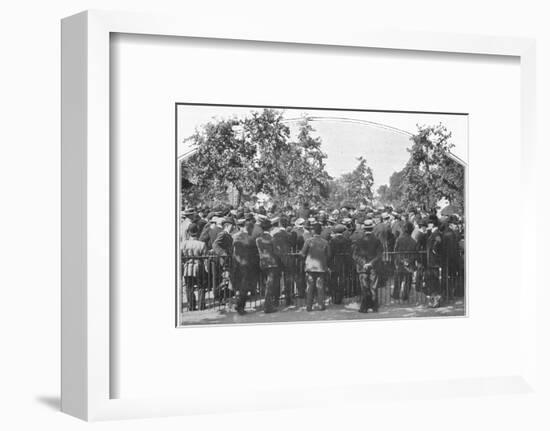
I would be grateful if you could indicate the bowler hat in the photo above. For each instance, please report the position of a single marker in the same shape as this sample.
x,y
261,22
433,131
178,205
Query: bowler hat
x,y
339,228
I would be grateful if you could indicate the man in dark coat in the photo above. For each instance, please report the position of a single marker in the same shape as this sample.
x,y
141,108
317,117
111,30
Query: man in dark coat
x,y
223,247
340,263
284,242
357,234
300,234
450,256
420,235
405,262
210,232
367,255
396,225
433,259
316,252
245,265
270,267
382,231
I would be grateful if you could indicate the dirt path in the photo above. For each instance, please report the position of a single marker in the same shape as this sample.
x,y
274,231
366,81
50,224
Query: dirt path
x,y
333,312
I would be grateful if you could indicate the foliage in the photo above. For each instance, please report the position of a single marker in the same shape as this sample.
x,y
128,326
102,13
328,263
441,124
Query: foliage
x,y
236,159
352,188
430,174
306,173
254,155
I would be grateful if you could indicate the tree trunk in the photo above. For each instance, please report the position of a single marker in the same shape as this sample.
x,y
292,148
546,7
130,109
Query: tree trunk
x,y
239,197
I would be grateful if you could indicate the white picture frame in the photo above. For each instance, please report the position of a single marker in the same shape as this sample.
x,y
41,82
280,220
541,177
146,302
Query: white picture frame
x,y
86,341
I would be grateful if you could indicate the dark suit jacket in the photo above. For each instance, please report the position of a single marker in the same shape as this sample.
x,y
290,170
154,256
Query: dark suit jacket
x,y
367,250
383,232
284,242
245,253
317,252
209,234
340,247
266,249
404,244
450,249
223,244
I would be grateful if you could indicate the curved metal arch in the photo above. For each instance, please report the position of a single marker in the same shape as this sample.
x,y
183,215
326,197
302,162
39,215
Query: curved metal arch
x,y
352,121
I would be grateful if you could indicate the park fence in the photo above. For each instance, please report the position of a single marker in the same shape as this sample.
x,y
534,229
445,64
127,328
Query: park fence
x,y
410,278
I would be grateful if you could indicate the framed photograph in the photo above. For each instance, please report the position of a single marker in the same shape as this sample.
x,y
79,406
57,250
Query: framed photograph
x,y
279,221
252,199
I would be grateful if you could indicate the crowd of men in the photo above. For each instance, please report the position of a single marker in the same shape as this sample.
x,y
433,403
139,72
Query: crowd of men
x,y
308,251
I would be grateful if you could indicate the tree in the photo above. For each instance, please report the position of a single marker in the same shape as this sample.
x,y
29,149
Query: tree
x,y
305,169
352,188
223,158
267,132
359,183
253,155
431,172
383,195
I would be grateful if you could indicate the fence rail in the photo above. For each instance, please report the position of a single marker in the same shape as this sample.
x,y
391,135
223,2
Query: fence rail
x,y
403,277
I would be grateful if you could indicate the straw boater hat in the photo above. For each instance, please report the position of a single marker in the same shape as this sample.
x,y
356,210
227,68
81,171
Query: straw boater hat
x,y
299,222
368,224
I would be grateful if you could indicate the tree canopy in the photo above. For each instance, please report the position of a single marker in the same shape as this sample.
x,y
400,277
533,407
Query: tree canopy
x,y
256,155
239,158
430,174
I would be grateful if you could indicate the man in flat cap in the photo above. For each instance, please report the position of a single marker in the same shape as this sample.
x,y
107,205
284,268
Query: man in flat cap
x,y
367,255
316,252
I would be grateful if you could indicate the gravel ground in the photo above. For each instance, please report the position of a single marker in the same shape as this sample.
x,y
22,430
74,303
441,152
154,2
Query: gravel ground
x,y
333,312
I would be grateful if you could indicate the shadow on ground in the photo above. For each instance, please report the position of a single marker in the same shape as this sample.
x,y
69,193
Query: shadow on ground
x,y
50,401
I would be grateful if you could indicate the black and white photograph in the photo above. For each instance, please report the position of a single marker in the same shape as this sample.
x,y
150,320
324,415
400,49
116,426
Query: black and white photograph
x,y
301,214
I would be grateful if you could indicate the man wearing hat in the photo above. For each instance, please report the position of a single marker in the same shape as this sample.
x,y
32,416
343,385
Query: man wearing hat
x,y
300,233
270,267
186,220
210,231
450,254
316,252
223,247
420,233
245,263
357,234
367,255
193,270
382,231
284,242
405,262
340,263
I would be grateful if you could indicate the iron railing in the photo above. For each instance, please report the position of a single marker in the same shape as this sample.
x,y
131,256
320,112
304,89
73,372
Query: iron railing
x,y
403,278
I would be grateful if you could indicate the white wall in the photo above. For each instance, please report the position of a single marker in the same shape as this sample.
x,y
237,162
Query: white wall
x,y
30,183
